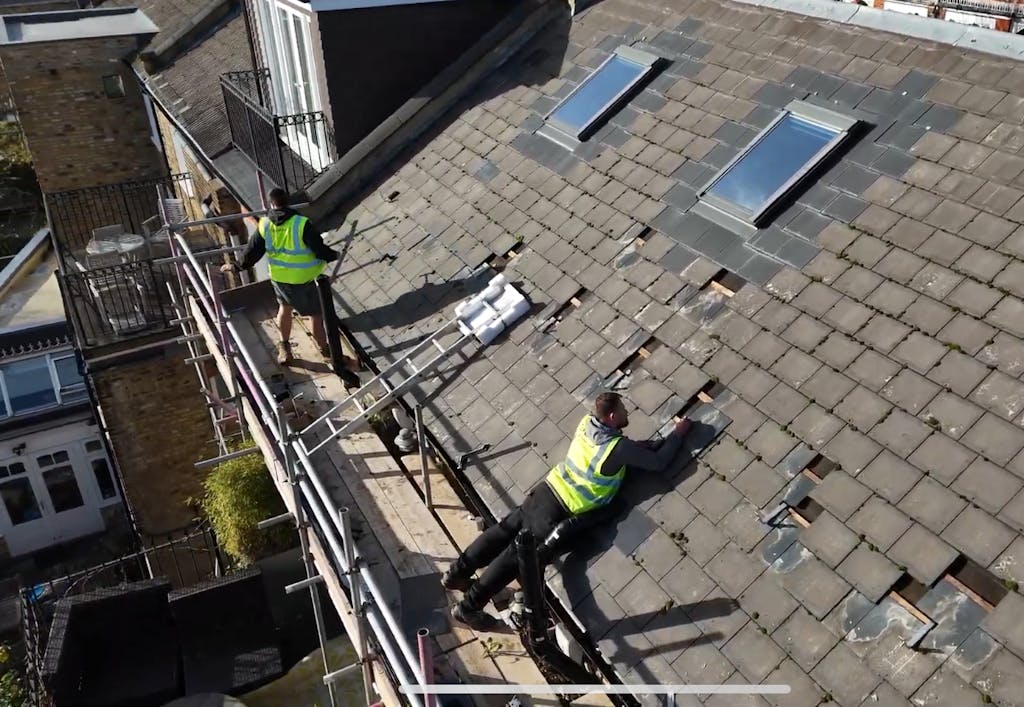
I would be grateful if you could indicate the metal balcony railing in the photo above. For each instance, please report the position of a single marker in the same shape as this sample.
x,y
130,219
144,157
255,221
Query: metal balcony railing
x,y
293,149
75,214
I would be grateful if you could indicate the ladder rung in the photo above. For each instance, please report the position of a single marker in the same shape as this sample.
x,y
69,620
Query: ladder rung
x,y
437,345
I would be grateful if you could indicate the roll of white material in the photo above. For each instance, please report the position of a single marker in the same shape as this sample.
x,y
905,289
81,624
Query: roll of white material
x,y
487,313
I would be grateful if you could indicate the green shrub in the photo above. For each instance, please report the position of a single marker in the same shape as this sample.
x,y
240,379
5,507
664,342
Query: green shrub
x,y
12,694
239,493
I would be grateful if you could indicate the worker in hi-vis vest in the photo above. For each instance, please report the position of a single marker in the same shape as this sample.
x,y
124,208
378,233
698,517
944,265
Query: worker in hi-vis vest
x,y
578,490
296,255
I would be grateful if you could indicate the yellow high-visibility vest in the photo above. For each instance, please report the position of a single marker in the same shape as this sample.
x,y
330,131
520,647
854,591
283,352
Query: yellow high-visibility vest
x,y
578,480
289,260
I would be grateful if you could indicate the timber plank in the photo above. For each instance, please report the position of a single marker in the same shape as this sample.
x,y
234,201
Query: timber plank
x,y
411,541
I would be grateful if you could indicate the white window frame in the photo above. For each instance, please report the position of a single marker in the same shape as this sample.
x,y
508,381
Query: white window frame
x,y
281,53
89,458
51,359
842,124
646,60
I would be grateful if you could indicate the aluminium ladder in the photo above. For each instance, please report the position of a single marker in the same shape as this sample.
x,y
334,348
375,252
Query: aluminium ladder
x,y
483,316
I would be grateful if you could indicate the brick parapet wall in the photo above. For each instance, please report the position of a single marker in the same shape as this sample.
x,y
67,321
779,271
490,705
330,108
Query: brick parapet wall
x,y
78,136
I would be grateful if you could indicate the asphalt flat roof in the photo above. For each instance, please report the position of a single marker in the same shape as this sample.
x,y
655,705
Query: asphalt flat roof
x,y
878,340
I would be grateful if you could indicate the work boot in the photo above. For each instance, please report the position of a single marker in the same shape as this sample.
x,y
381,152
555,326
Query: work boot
x,y
455,581
476,619
284,352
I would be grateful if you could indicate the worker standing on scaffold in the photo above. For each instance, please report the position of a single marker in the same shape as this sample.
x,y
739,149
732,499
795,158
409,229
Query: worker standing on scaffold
x,y
296,255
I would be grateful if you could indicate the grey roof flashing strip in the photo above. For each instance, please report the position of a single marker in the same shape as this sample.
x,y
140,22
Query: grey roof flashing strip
x,y
66,25
980,39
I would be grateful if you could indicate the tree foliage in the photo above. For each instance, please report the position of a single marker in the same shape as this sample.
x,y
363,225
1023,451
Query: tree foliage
x,y
12,694
239,493
15,160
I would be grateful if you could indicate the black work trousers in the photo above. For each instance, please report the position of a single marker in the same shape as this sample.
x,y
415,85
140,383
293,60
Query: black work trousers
x,y
540,513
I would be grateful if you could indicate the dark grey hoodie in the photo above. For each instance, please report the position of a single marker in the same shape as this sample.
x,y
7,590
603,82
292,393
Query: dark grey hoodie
x,y
648,456
256,247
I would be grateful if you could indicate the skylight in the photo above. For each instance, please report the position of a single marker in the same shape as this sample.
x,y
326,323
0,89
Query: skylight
x,y
601,92
776,160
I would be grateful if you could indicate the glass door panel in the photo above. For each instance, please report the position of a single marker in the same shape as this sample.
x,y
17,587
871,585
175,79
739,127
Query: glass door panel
x,y
20,501
63,488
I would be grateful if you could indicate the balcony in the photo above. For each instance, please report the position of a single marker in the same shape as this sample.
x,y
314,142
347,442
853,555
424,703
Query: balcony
x,y
113,249
291,150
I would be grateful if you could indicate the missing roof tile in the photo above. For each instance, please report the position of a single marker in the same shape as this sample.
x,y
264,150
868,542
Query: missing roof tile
x,y
516,248
820,467
726,282
806,511
909,590
976,582
642,353
556,310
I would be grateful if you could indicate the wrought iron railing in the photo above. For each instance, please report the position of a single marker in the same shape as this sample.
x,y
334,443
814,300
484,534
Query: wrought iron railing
x,y
291,150
185,557
118,302
254,85
114,303
75,214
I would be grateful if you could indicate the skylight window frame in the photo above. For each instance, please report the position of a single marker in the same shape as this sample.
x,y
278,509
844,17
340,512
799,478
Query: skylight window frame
x,y
637,56
842,124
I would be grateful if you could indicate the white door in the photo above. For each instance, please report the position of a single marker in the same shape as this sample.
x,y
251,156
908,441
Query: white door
x,y
69,496
27,527
287,39
49,497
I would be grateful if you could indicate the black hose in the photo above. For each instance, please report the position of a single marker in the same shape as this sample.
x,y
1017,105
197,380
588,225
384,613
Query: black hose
x,y
332,328
555,664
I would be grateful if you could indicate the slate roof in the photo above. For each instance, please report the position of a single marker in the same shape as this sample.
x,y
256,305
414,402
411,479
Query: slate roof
x,y
190,85
879,338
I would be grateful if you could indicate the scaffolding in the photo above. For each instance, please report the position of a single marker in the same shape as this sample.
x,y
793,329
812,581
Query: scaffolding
x,y
481,317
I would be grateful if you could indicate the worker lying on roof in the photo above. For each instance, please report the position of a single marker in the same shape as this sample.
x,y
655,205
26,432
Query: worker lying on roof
x,y
296,255
578,490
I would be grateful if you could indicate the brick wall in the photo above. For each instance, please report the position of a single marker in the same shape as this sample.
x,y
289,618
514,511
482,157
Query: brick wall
x,y
77,135
159,427
22,8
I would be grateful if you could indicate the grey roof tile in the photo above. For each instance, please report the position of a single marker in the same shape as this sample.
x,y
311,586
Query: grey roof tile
x,y
892,327
924,555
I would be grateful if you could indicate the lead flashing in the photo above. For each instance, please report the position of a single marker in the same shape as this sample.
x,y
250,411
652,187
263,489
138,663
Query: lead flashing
x,y
65,25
